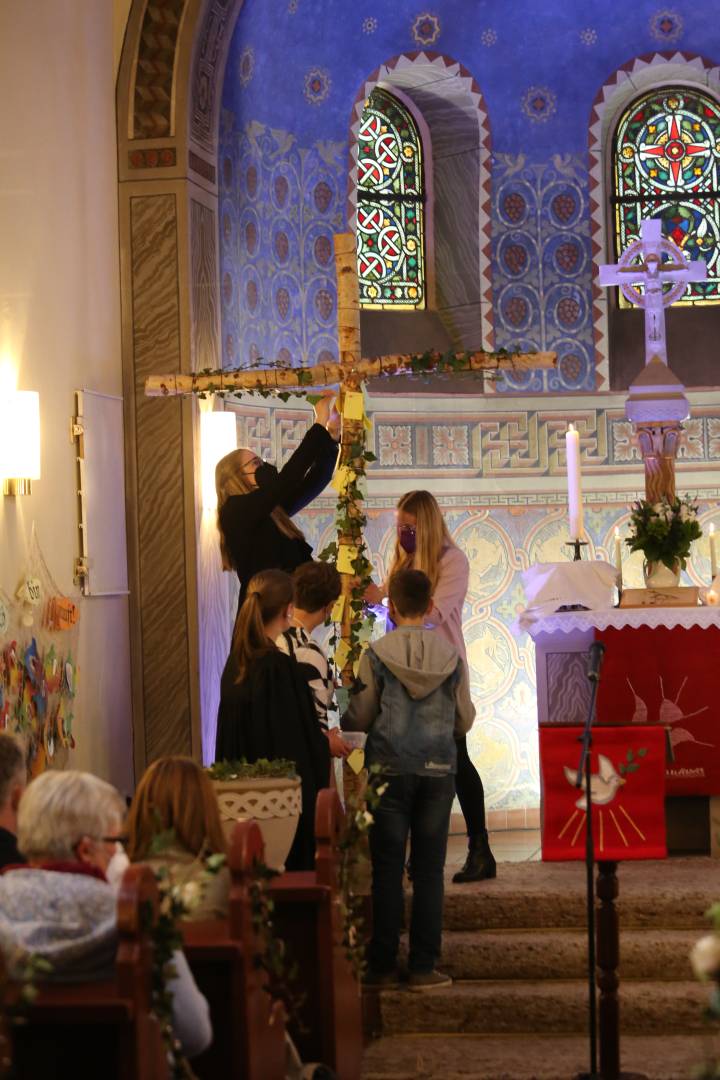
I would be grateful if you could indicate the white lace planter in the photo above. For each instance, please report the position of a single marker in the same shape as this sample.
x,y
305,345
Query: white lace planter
x,y
275,803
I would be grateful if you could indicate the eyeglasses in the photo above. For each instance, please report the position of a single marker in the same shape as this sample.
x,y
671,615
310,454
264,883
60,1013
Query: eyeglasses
x,y
115,839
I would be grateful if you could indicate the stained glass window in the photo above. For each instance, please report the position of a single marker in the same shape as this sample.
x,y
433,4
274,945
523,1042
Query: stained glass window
x,y
666,164
390,206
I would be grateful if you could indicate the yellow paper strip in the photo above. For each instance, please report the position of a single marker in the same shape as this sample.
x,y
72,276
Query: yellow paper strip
x,y
342,478
356,760
338,610
368,423
341,654
353,406
346,557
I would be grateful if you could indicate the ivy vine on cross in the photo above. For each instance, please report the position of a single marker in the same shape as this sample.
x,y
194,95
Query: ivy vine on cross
x,y
348,374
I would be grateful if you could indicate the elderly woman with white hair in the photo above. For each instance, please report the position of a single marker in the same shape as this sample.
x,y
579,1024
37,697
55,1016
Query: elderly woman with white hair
x,y
256,502
60,906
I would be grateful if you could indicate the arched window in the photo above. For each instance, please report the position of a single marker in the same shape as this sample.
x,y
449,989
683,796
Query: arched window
x,y
390,206
666,164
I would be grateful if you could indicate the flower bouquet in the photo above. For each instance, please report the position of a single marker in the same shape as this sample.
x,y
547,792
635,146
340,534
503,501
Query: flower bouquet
x,y
664,531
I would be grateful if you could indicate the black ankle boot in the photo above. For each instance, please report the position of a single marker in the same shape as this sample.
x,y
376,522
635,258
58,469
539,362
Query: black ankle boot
x,y
480,862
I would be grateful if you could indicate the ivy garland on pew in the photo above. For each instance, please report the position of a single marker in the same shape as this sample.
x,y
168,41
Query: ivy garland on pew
x,y
282,974
353,863
177,901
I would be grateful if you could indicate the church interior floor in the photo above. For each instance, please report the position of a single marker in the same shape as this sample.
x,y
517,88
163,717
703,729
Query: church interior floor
x,y
516,949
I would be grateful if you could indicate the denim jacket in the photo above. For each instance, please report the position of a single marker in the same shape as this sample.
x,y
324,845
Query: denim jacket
x,y
414,700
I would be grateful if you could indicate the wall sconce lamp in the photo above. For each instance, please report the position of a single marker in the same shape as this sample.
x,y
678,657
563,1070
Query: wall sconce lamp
x,y
19,441
218,436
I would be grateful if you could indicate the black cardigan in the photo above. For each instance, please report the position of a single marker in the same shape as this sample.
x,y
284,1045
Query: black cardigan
x,y
271,714
253,540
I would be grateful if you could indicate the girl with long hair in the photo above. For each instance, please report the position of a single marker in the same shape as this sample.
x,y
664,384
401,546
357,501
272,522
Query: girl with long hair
x,y
266,707
256,502
175,803
423,543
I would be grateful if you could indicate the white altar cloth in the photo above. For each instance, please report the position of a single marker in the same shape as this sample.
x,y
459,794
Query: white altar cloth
x,y
572,621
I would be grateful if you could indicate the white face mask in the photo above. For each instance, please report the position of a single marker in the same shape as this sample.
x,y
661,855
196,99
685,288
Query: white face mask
x,y
117,866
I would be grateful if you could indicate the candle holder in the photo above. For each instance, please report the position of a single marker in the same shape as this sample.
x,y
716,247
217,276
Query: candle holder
x,y
577,545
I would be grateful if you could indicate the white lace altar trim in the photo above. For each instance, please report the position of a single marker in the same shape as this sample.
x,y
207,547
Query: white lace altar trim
x,y
567,622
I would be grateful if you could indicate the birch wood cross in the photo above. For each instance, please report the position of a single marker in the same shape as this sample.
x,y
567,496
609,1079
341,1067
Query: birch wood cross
x,y
348,373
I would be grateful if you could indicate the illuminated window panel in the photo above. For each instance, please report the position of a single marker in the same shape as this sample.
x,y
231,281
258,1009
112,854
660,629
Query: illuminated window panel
x,y
390,206
666,164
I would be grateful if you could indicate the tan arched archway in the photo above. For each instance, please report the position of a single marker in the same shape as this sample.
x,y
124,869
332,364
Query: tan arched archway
x,y
168,92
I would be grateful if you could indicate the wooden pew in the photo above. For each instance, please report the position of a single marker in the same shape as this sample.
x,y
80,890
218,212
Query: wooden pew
x,y
308,917
248,1025
98,1029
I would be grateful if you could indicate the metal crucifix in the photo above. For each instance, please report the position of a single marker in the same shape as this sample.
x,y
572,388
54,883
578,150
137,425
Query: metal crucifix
x,y
653,274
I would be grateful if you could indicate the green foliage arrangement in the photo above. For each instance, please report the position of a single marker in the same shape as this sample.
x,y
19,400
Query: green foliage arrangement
x,y
350,521
353,864
664,531
282,972
262,769
177,900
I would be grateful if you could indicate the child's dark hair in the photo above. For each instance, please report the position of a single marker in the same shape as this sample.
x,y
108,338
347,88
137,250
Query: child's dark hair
x,y
410,593
317,584
269,593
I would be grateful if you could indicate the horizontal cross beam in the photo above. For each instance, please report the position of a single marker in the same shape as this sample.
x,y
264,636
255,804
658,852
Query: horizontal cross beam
x,y
288,379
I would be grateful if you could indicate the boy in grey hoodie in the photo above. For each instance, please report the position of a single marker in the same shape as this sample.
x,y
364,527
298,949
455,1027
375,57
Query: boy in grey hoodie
x,y
414,700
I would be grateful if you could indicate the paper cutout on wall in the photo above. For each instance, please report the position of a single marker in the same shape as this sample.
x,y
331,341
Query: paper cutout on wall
x,y
38,674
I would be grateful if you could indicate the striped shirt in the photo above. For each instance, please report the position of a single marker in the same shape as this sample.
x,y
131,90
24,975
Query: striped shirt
x,y
315,668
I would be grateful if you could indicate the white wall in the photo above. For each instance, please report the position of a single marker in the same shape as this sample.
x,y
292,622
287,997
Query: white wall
x,y
60,312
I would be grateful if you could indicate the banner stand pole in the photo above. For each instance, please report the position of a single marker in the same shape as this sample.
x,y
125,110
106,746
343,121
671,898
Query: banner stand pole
x,y
608,932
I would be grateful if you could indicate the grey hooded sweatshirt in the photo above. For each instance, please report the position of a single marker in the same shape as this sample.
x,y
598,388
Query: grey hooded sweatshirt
x,y
413,702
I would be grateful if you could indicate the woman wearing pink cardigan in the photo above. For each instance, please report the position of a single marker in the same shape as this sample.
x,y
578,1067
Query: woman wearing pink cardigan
x,y
424,543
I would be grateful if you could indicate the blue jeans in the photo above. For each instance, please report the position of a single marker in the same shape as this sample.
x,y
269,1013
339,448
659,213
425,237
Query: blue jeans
x,y
419,805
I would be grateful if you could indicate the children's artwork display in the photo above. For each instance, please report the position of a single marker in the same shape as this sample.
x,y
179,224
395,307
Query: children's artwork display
x,y
38,664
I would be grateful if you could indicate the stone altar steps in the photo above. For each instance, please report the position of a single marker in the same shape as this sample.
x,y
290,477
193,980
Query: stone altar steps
x,y
518,1009
508,1006
562,954
534,1057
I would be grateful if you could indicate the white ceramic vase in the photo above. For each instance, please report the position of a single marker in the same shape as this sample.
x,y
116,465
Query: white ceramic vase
x,y
659,576
274,802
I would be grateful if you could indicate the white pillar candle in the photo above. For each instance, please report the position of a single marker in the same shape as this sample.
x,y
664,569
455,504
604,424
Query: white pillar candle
x,y
713,552
618,556
575,511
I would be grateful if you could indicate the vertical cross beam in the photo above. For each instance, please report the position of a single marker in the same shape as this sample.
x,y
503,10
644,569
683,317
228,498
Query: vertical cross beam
x,y
353,431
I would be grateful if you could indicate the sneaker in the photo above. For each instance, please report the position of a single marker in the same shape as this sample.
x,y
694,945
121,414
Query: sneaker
x,y
380,980
427,980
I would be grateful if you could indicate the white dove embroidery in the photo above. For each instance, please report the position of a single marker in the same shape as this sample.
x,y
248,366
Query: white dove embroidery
x,y
603,784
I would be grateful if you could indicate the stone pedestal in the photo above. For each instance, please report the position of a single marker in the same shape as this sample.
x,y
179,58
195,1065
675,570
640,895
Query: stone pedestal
x,y
656,406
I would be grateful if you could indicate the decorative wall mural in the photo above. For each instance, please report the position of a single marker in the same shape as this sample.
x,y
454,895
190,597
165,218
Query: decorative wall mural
x,y
502,530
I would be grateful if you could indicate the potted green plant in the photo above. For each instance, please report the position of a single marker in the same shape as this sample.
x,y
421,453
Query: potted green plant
x,y
663,531
267,791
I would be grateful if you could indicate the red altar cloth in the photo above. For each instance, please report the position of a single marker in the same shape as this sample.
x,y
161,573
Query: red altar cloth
x,y
668,677
627,787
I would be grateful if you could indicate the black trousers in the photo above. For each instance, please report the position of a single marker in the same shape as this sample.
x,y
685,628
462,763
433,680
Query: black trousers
x,y
470,791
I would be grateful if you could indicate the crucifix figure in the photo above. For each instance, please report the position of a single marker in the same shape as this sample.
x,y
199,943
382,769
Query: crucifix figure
x,y
653,274
349,374
656,403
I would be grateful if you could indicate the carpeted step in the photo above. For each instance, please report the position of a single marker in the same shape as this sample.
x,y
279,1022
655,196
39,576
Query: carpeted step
x,y
529,1057
552,895
557,1007
562,954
